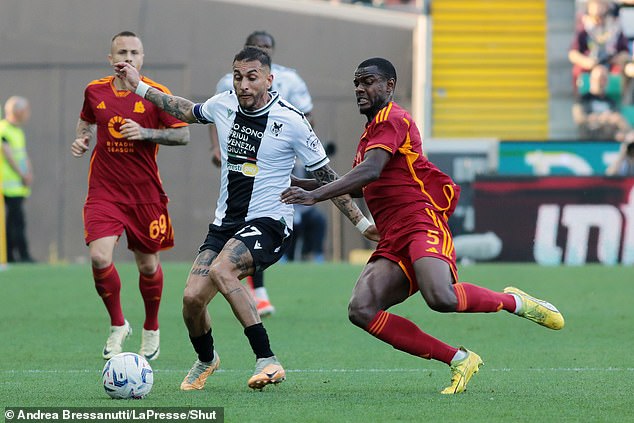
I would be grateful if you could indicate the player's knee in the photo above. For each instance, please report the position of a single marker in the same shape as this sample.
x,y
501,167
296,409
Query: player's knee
x,y
359,314
100,259
193,304
442,302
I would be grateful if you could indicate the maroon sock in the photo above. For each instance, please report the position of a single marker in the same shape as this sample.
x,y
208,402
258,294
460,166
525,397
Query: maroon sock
x,y
475,299
151,287
108,287
404,335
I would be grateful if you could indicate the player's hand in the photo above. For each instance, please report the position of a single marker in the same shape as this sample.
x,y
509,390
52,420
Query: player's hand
x,y
128,74
27,179
131,130
79,146
372,233
296,195
215,157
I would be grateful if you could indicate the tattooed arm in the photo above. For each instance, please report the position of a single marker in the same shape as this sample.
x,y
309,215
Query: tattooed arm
x,y
83,134
166,136
180,108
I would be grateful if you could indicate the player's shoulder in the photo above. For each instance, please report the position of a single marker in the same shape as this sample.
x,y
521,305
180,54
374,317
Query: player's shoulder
x,y
155,84
392,112
281,71
105,81
284,107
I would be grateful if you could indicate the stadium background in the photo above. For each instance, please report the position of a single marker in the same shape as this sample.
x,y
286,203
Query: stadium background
x,y
474,73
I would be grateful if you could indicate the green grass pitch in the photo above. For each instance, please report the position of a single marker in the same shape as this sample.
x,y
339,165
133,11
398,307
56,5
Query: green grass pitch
x,y
53,326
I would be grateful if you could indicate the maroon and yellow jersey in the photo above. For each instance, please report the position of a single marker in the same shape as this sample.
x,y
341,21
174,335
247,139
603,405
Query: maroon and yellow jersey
x,y
409,183
122,170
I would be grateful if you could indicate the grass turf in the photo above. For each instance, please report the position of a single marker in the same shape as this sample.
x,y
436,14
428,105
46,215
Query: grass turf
x,y
53,327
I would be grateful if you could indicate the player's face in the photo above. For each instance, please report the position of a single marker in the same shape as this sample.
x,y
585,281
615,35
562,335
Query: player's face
x,y
127,49
262,42
251,81
372,89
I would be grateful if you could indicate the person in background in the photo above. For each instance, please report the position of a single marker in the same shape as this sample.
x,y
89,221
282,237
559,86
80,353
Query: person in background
x,y
291,87
125,192
17,177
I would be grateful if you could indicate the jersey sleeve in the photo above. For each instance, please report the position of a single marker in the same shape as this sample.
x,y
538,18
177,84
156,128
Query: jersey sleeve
x,y
87,113
299,96
308,147
225,84
204,112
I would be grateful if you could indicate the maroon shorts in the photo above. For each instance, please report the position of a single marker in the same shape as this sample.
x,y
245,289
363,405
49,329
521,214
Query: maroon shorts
x,y
423,234
148,227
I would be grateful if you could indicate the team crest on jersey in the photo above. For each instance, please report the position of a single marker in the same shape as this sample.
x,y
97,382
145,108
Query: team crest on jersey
x,y
139,107
276,128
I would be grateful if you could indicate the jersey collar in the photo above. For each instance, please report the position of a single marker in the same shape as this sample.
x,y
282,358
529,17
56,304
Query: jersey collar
x,y
263,110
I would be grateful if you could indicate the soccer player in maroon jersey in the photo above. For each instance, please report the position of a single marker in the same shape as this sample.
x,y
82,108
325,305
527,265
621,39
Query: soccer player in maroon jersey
x,y
411,201
125,192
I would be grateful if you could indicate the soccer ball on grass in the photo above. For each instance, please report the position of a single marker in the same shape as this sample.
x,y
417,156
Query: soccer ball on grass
x,y
127,375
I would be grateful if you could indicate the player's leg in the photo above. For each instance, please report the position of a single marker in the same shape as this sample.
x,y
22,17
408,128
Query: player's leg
x,y
262,301
108,286
199,291
151,288
382,284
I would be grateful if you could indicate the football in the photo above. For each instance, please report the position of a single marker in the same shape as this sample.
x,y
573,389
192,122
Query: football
x,y
127,376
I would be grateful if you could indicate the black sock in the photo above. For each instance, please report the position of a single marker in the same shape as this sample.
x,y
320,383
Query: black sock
x,y
204,346
259,341
258,279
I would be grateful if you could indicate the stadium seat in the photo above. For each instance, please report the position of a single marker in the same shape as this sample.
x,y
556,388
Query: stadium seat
x,y
628,114
613,90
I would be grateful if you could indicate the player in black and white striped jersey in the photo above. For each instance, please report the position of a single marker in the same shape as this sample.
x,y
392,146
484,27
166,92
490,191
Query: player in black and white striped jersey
x,y
261,137
292,88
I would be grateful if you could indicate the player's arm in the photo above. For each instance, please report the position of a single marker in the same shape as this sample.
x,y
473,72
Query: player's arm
x,y
215,145
83,134
323,176
365,172
165,136
179,107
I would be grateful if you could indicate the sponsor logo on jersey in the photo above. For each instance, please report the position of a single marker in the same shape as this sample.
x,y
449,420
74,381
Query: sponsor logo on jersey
x,y
101,106
247,169
276,128
114,124
229,113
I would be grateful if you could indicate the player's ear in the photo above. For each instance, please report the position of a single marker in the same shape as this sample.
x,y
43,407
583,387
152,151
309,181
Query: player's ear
x,y
269,79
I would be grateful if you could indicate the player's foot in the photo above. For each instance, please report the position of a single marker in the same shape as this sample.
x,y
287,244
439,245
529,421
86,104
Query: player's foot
x,y
462,371
114,343
264,307
267,370
539,311
150,345
199,373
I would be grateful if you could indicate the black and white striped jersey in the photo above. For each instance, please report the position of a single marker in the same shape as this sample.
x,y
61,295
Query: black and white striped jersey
x,y
258,150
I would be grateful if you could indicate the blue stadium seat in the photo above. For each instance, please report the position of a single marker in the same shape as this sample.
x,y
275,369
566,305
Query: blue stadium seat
x,y
628,113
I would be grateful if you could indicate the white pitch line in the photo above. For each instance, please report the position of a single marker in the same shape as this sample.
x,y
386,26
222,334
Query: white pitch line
x,y
420,370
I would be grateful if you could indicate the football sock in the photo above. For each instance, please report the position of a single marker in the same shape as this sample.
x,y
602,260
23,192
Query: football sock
x,y
475,299
460,355
259,340
151,287
108,287
404,335
204,346
258,280
261,294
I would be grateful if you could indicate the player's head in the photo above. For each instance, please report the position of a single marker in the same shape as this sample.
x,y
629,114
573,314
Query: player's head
x,y
261,39
252,77
17,110
374,81
126,47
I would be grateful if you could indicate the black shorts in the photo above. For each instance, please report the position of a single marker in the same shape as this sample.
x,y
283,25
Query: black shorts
x,y
267,239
